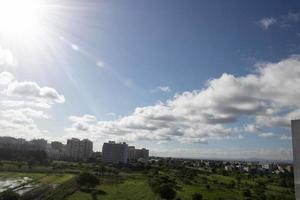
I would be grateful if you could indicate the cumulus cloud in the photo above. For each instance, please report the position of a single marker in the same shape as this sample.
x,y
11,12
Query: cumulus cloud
x,y
23,113
22,103
21,122
32,90
84,118
265,23
6,78
269,97
29,93
6,57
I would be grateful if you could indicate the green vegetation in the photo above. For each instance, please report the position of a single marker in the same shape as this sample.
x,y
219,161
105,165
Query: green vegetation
x,y
90,181
163,185
86,179
62,191
197,196
9,195
132,189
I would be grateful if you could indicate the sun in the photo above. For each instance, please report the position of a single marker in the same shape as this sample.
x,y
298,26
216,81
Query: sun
x,y
20,18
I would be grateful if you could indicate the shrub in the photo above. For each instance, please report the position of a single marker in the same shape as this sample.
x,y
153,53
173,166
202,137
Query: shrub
x,y
10,195
197,196
87,179
167,191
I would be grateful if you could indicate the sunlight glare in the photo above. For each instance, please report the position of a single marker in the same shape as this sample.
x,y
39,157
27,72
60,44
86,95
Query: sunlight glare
x,y
20,18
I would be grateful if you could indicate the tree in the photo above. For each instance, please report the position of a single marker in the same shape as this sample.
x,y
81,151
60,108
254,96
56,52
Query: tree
x,y
19,165
10,195
87,179
197,196
167,191
94,195
102,170
247,193
260,190
232,184
239,180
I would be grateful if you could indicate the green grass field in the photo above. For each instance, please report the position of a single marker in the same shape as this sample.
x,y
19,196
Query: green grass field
x,y
41,178
135,187
34,176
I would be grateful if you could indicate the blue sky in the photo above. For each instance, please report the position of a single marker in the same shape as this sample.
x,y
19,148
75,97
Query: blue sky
x,y
187,79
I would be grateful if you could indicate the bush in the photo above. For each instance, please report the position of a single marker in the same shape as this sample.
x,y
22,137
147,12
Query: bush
x,y
10,195
61,191
167,191
164,186
247,193
87,179
197,196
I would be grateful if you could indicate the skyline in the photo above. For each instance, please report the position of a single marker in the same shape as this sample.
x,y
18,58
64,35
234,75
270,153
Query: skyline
x,y
200,80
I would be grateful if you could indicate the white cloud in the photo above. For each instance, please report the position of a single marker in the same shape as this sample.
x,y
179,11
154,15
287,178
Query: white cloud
x,y
32,90
282,120
20,123
111,114
23,113
283,21
202,115
294,16
20,103
164,88
6,78
21,128
265,23
266,135
6,57
251,128
84,118
285,137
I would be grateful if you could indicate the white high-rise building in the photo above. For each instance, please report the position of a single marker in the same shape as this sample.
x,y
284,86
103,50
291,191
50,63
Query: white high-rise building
x,y
39,143
138,154
296,155
113,152
85,149
79,150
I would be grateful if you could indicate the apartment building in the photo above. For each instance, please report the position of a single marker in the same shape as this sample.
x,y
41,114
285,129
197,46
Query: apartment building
x,y
113,152
79,150
138,154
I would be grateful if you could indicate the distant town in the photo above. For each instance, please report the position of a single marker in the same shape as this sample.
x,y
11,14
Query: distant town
x,y
121,153
79,150
42,170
